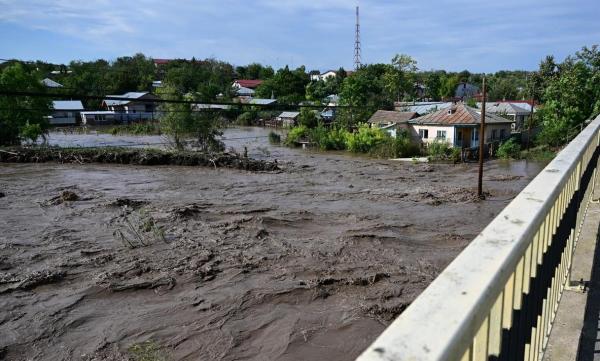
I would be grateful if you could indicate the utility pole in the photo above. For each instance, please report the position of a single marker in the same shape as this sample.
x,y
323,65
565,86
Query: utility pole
x,y
481,144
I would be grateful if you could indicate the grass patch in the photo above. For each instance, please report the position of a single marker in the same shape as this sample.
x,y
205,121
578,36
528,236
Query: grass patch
x,y
146,351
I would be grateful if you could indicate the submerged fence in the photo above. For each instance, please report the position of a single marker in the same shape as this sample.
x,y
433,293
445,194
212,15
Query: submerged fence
x,y
497,300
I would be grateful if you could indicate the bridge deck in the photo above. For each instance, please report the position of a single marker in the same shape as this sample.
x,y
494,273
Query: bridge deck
x,y
564,341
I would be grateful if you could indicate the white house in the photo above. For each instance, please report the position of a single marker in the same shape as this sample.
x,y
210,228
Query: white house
x,y
132,106
459,125
65,112
324,76
102,117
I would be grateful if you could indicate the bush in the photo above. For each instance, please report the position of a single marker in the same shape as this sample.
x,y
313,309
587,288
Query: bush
x,y
274,138
247,118
365,139
296,134
31,132
509,150
438,150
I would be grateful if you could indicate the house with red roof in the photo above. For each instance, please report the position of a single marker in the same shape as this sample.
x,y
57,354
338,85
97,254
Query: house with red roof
x,y
247,83
458,126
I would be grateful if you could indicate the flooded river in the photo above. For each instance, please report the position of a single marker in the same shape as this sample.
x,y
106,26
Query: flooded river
x,y
310,263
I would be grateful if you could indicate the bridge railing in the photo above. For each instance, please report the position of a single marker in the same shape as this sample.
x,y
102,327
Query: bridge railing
x,y
497,300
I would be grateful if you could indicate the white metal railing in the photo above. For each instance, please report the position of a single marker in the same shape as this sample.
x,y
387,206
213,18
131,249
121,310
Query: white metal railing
x,y
498,298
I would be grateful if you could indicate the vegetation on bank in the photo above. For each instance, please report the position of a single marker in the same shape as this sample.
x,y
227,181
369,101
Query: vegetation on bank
x,y
137,156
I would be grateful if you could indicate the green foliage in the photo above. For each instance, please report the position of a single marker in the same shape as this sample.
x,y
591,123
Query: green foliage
x,y
274,138
31,132
328,139
509,150
247,118
438,150
22,117
146,128
296,134
288,86
540,153
472,103
179,121
308,117
146,351
365,139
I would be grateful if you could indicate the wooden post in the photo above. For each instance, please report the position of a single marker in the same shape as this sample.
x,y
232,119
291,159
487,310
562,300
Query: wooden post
x,y
481,144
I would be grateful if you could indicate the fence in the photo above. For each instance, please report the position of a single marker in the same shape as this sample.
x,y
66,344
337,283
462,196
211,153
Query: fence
x,y
497,300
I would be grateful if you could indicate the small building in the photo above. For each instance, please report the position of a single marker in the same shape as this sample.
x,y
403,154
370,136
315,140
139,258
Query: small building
x,y
518,114
329,74
288,119
132,106
247,83
459,125
466,90
245,92
391,121
98,117
65,112
49,83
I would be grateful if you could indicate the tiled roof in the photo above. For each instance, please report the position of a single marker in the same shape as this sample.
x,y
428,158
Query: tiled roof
x,y
249,83
458,114
390,116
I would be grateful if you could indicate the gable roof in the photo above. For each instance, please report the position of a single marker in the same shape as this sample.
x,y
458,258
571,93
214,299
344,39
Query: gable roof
x,y
130,95
458,114
260,101
67,105
391,116
424,107
507,108
49,83
249,83
289,115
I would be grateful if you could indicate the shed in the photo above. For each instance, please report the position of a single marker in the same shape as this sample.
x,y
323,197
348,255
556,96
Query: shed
x,y
288,119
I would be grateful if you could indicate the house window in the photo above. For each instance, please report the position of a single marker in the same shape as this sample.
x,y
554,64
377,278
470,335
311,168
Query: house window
x,y
424,133
502,133
494,133
441,134
100,117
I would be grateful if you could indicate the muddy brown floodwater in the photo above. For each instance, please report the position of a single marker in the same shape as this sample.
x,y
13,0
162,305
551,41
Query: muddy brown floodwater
x,y
310,263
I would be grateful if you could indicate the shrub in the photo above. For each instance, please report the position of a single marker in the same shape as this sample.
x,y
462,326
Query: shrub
x,y
438,150
509,149
308,118
31,132
247,118
296,134
274,138
365,139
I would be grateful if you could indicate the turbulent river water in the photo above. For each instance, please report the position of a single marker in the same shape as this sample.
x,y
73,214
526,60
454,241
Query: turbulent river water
x,y
310,263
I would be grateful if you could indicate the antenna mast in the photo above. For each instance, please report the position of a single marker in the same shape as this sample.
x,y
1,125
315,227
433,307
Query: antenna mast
x,y
357,56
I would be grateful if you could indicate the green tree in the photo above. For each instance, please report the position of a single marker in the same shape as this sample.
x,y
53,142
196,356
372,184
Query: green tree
x,y
288,86
22,117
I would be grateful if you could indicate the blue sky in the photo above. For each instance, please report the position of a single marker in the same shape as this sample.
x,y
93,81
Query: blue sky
x,y
440,34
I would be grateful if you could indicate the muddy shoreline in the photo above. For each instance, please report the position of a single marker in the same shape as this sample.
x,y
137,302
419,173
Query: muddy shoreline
x,y
310,263
113,155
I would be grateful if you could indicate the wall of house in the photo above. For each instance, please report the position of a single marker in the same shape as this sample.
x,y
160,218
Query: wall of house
x,y
433,132
489,130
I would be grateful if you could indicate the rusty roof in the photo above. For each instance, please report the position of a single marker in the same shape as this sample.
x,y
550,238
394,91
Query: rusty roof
x,y
391,116
458,114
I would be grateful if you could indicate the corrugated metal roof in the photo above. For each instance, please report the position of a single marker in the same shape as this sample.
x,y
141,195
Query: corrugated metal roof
x,y
51,83
67,105
245,91
391,116
289,114
259,101
506,108
425,107
130,95
458,115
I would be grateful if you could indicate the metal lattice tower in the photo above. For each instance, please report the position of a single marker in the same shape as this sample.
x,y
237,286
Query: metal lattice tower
x,y
357,51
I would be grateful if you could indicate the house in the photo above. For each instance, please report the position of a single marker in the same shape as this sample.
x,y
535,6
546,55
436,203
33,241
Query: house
x,y
245,92
421,108
465,90
65,112
288,119
459,125
511,111
49,83
101,117
247,83
132,106
391,121
329,74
